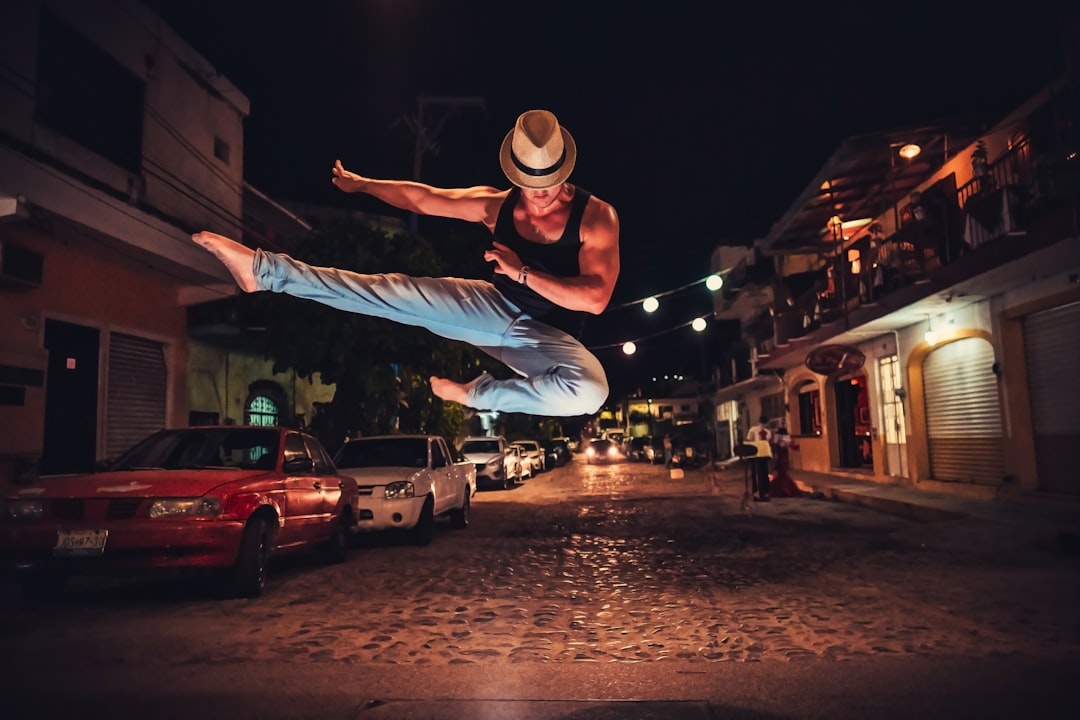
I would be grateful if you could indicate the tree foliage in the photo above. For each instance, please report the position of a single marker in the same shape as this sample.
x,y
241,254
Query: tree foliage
x,y
380,369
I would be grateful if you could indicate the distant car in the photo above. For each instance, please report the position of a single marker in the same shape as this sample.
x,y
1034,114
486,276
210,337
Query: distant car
x,y
524,467
604,451
221,499
533,454
642,449
556,452
496,465
405,482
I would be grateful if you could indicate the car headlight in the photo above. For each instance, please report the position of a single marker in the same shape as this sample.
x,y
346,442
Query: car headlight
x,y
185,507
22,510
399,489
590,451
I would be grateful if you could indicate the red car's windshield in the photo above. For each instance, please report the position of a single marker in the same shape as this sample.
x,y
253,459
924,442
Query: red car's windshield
x,y
187,448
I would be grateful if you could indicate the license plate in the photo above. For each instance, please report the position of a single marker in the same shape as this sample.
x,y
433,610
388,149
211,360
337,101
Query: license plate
x,y
73,543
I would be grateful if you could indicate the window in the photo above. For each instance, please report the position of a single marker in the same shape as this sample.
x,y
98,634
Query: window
x,y
809,409
892,401
221,150
294,447
262,411
83,93
323,464
437,459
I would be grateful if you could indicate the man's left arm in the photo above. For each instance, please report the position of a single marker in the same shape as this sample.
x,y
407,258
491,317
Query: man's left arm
x,y
598,262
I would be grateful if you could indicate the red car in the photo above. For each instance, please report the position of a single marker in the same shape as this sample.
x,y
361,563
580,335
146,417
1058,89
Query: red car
x,y
208,498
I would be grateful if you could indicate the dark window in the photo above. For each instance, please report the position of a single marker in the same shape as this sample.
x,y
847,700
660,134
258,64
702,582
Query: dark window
x,y
809,410
12,395
323,464
437,458
221,150
85,94
199,417
294,447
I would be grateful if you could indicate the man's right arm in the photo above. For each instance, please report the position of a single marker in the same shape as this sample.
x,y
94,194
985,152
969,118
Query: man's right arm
x,y
475,204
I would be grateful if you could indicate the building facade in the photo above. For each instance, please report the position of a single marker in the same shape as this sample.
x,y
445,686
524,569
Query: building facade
x,y
117,141
922,321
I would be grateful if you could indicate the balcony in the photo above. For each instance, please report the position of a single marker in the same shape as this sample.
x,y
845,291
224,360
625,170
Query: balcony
x,y
944,235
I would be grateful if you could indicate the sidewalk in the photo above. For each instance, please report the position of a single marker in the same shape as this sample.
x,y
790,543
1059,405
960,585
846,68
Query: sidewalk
x,y
1051,522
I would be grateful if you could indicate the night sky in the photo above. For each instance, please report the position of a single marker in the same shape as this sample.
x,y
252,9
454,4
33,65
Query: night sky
x,y
700,124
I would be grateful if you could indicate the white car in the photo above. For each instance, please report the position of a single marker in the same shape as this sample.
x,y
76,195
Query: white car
x,y
524,467
532,455
405,482
496,464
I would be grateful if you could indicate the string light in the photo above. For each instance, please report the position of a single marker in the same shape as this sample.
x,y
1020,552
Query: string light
x,y
649,304
630,346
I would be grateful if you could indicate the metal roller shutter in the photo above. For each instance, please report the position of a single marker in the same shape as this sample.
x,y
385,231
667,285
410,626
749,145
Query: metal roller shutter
x,y
137,386
1052,347
963,413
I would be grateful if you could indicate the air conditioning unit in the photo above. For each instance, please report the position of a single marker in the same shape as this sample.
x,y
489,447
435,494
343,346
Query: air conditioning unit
x,y
19,266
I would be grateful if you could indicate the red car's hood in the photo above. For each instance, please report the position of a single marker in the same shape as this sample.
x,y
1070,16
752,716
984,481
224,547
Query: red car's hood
x,y
138,483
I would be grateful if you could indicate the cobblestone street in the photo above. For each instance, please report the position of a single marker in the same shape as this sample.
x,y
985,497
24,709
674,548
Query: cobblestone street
x,y
601,564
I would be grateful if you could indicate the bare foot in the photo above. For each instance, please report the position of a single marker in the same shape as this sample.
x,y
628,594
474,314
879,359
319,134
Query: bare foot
x,y
451,391
235,257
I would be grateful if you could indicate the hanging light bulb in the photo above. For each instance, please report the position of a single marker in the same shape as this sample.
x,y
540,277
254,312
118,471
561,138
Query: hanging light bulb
x,y
629,348
910,151
714,282
698,324
650,304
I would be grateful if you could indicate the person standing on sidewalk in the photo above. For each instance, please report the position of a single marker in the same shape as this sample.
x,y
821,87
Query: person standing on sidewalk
x,y
668,457
760,436
555,251
782,484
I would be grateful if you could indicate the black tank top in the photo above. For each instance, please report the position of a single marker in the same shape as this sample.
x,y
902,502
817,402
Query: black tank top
x,y
559,258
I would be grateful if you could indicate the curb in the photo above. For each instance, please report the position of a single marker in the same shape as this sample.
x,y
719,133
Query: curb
x,y
891,506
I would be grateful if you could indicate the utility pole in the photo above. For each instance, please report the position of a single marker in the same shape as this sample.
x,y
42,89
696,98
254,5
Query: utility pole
x,y
426,137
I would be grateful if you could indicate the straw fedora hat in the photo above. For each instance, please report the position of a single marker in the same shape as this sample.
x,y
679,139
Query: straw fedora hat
x,y
538,152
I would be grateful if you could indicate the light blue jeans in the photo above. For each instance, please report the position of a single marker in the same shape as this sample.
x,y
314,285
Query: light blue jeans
x,y
559,377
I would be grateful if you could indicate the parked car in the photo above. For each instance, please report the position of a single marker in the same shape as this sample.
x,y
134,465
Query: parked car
x,y
556,452
220,499
644,449
518,459
533,455
405,482
604,451
496,465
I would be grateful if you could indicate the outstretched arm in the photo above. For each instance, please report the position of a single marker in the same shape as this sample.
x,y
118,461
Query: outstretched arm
x,y
475,204
598,263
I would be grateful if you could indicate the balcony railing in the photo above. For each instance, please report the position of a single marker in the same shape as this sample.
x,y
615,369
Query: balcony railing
x,y
937,230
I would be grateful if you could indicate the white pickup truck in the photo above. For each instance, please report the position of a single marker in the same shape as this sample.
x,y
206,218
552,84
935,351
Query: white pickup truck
x,y
405,482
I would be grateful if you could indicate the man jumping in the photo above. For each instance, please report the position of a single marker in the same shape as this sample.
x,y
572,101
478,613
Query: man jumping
x,y
556,255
